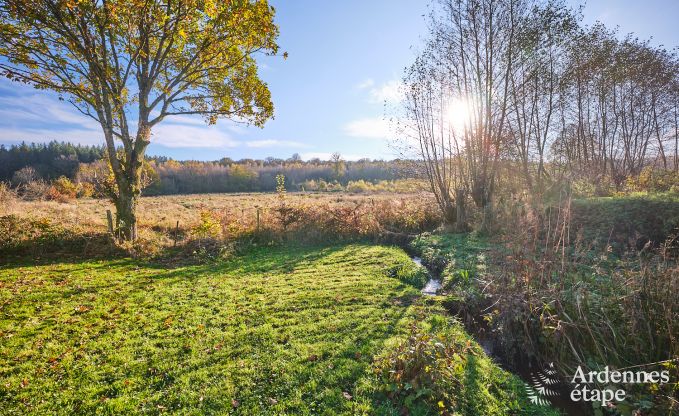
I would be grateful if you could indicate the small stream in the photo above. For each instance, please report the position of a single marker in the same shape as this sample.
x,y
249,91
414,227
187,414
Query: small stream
x,y
433,285
524,369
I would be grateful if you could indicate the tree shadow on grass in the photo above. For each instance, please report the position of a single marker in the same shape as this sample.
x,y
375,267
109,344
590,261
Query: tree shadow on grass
x,y
261,344
70,248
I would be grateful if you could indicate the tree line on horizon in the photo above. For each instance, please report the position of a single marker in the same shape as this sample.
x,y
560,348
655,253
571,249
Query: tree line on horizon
x,y
23,163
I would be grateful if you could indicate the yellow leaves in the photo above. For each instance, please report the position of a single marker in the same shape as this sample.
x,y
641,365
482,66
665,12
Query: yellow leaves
x,y
210,9
220,34
82,309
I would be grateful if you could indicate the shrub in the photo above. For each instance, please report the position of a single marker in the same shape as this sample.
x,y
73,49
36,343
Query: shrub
x,y
85,190
25,175
34,190
322,185
439,367
359,186
307,221
588,187
208,227
653,180
64,188
39,237
7,195
146,245
624,223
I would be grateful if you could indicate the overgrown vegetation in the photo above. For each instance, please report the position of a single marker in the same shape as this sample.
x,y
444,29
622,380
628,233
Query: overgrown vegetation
x,y
587,283
209,224
438,369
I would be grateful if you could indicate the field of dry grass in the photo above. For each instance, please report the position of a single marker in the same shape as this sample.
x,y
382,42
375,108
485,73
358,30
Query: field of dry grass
x,y
79,225
165,211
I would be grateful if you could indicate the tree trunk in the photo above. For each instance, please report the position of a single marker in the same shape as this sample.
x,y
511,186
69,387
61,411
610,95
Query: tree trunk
x,y
126,215
487,218
449,214
129,183
461,220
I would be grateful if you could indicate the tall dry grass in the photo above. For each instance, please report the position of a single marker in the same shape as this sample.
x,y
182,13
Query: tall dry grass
x,y
562,298
216,219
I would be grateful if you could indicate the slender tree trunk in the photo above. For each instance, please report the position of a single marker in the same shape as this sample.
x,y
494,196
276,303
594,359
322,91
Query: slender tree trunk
x,y
461,214
487,218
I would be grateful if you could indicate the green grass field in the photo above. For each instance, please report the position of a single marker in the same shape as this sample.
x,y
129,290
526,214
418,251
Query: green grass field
x,y
276,331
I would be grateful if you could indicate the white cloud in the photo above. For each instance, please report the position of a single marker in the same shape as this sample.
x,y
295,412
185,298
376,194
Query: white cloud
x,y
41,135
367,83
390,92
172,134
257,144
39,117
43,109
39,120
328,156
373,128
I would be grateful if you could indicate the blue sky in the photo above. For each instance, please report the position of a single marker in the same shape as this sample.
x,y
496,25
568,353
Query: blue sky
x,y
346,58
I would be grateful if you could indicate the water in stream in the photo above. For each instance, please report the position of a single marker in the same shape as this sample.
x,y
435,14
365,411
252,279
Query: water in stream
x,y
490,345
433,285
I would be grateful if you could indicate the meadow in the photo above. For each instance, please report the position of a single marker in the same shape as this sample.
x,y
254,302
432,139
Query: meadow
x,y
307,303
282,330
165,211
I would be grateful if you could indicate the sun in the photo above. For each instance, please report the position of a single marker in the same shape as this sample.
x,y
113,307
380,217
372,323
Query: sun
x,y
457,114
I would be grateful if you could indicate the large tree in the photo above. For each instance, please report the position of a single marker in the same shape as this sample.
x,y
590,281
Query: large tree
x,y
129,64
457,95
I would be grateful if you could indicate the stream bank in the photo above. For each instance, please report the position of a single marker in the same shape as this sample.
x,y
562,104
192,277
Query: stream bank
x,y
525,367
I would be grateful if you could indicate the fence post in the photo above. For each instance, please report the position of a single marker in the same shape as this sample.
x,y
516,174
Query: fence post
x,y
109,219
176,233
257,219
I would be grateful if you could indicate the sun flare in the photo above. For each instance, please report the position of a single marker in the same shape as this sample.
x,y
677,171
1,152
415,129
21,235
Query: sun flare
x,y
457,113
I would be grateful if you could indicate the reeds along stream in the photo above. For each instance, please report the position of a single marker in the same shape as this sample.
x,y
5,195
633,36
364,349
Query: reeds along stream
x,y
526,369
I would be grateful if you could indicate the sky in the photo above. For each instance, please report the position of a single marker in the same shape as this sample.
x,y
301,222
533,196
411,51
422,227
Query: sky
x,y
345,59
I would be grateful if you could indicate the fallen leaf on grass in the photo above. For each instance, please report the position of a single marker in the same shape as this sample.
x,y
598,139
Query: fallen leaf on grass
x,y
82,309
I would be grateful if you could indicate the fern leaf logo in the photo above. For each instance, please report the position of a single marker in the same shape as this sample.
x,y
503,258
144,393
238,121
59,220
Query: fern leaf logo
x,y
542,385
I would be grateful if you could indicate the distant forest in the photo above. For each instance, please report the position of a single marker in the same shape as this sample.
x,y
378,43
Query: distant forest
x,y
47,162
50,160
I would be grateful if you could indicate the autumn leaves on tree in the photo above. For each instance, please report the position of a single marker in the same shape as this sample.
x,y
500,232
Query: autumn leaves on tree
x,y
131,64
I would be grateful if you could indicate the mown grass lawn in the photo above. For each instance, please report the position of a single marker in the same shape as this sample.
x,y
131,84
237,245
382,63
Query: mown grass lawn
x,y
276,331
